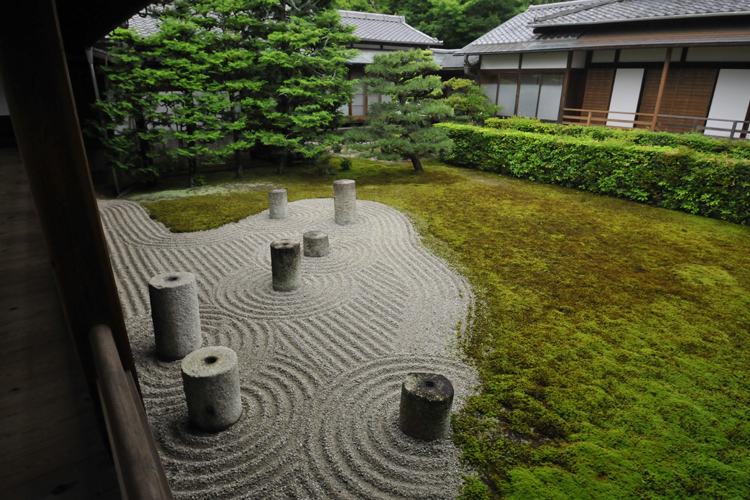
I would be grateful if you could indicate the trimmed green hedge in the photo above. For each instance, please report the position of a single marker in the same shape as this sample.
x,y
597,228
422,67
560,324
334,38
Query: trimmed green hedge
x,y
674,178
696,142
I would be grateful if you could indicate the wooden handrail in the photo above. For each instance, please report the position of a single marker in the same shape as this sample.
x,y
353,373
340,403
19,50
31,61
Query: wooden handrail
x,y
738,127
139,470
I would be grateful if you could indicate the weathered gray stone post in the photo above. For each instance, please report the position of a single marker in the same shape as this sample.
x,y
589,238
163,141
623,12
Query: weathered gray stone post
x,y
277,204
426,400
315,244
174,311
345,202
285,265
211,382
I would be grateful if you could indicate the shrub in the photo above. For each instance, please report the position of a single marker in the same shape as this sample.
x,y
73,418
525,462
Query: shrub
x,y
345,164
669,177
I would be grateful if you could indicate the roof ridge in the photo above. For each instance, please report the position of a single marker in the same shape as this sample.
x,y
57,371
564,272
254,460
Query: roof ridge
x,y
355,14
580,8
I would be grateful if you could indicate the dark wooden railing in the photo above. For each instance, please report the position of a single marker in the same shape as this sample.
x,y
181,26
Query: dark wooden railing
x,y
735,129
139,470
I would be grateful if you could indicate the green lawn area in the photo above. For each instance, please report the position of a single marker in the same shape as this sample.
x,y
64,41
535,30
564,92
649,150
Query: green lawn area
x,y
613,338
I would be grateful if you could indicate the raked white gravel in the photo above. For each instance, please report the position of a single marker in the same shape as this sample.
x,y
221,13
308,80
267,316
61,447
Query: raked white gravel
x,y
320,367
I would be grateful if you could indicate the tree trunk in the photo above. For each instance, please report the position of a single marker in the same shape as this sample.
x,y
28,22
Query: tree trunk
x,y
237,158
191,171
417,163
282,164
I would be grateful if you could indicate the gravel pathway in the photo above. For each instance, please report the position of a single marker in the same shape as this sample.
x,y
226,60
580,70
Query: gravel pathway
x,y
321,367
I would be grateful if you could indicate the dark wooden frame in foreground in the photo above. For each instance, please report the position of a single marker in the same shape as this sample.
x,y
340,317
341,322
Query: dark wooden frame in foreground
x,y
139,470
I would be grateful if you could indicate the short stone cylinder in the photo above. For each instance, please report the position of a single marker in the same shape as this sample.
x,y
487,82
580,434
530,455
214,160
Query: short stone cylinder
x,y
277,208
345,202
315,244
285,265
426,400
211,382
174,312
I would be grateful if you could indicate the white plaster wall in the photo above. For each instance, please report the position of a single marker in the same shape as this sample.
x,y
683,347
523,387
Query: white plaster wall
x,y
723,54
500,61
625,94
603,56
643,55
545,60
731,100
579,59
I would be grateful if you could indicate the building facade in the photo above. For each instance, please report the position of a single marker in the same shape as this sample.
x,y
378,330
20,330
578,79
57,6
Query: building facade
x,y
677,65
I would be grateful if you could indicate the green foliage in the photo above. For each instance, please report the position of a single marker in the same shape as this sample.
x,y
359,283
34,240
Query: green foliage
x,y
619,328
345,164
303,61
673,178
469,101
220,77
126,114
402,127
695,142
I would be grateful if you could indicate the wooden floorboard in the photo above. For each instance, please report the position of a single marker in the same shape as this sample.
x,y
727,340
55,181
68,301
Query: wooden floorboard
x,y
50,444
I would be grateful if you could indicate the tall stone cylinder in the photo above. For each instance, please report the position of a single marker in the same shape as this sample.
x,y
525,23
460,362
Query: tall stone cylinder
x,y
285,265
315,244
211,381
174,311
345,202
426,400
277,208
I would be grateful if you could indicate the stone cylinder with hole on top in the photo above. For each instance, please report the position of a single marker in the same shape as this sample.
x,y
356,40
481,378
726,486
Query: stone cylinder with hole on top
x,y
285,265
277,204
426,400
315,244
211,382
174,312
344,202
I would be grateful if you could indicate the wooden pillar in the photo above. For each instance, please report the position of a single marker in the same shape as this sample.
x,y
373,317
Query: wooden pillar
x,y
42,109
662,83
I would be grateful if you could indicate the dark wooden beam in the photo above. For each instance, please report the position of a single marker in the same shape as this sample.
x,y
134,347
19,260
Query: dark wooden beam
x,y
662,83
42,109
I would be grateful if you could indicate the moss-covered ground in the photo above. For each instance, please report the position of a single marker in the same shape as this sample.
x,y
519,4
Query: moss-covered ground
x,y
613,338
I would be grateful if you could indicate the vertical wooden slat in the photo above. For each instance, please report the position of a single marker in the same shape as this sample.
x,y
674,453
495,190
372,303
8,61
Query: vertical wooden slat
x,y
36,82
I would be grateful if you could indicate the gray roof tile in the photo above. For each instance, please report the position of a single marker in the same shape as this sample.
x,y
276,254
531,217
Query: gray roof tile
x,y
379,28
382,28
616,11
571,18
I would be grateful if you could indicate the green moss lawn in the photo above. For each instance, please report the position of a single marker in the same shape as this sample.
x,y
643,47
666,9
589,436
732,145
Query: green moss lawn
x,y
613,338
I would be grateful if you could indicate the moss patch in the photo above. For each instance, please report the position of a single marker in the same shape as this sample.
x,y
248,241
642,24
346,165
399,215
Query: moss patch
x,y
612,337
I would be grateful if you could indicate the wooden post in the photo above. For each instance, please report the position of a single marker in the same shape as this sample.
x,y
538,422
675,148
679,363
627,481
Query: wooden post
x,y
662,83
42,109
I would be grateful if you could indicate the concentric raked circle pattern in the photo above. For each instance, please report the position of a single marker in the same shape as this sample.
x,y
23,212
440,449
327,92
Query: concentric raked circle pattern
x,y
320,367
355,448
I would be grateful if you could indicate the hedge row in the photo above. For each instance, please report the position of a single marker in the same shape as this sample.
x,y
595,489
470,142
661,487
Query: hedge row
x,y
673,178
695,142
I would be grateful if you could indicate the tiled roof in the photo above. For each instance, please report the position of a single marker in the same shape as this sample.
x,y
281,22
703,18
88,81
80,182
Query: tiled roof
x,y
379,28
451,59
560,26
383,28
145,26
617,11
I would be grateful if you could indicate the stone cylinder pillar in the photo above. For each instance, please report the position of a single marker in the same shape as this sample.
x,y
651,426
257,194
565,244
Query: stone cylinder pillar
x,y
174,311
426,400
345,202
315,244
211,382
285,265
277,204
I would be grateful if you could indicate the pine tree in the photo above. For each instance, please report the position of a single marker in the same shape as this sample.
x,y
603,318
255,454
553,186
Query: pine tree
x,y
401,128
